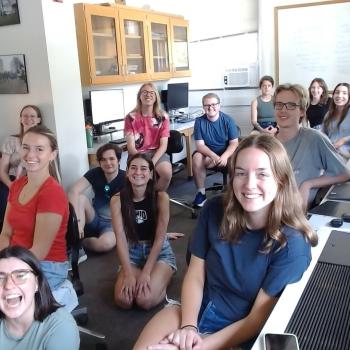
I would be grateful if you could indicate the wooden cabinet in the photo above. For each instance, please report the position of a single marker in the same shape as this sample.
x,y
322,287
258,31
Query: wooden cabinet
x,y
120,44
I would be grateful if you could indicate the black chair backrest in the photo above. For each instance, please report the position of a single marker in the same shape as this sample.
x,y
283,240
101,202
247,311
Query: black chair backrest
x,y
73,246
175,142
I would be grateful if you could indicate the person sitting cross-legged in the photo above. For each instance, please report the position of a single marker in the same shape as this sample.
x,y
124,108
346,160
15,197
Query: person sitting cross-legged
x,y
216,139
94,218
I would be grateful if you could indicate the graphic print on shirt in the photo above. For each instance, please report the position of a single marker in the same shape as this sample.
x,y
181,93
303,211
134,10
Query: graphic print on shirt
x,y
139,139
141,216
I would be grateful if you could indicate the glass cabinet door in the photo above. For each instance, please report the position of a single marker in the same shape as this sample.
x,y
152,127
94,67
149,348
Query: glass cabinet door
x,y
135,47
104,46
180,47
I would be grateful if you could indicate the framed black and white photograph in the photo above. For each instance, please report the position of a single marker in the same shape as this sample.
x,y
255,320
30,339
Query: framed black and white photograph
x,y
13,75
9,12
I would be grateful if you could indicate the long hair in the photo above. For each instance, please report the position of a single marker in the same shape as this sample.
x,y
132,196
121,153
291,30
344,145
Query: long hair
x,y
285,208
158,113
45,303
126,196
38,113
332,109
44,131
323,85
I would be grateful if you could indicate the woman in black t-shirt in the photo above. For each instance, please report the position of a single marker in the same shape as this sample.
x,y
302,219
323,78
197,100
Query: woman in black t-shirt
x,y
140,217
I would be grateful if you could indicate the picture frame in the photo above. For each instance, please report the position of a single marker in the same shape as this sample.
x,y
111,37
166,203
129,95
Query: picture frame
x,y
13,74
9,13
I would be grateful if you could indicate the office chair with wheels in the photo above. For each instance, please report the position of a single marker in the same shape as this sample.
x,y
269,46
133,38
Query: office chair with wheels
x,y
175,145
220,186
73,245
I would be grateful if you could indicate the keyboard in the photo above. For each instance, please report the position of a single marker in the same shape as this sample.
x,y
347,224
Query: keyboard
x,y
119,141
185,120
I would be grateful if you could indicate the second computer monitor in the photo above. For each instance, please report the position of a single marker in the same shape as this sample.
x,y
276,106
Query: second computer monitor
x,y
177,96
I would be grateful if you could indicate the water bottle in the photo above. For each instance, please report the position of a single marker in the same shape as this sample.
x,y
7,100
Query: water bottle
x,y
89,136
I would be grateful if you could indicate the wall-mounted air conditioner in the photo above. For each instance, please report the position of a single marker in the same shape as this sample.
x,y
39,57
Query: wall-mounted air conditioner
x,y
242,76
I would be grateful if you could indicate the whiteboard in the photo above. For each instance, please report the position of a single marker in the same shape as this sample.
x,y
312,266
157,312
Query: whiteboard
x,y
213,56
313,40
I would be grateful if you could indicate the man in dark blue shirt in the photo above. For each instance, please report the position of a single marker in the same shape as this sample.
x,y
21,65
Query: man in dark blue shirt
x,y
216,138
94,218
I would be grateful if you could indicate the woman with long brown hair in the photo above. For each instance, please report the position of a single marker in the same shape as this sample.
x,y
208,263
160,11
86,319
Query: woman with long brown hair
x,y
247,246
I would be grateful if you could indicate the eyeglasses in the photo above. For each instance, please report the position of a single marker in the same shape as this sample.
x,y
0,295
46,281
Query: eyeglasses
x,y
290,106
212,105
18,276
150,93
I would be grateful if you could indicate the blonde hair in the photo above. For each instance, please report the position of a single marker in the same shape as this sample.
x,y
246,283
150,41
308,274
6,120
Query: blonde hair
x,y
157,111
285,209
44,131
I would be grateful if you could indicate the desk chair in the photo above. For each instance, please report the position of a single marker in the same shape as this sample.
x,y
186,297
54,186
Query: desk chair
x,y
220,186
175,145
73,244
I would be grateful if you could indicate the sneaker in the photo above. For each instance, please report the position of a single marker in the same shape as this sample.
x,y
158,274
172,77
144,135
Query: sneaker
x,y
199,200
82,257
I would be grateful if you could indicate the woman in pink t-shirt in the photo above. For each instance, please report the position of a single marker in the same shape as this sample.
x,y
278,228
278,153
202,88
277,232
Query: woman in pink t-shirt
x,y
37,209
147,131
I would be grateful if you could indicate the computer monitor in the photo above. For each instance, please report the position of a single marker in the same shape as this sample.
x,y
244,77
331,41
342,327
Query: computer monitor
x,y
177,96
107,107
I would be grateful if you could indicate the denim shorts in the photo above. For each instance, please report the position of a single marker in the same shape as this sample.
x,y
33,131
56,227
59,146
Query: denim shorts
x,y
139,252
55,272
211,321
97,227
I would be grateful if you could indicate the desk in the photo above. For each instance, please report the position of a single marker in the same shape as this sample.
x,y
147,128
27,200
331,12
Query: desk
x,y
282,312
185,128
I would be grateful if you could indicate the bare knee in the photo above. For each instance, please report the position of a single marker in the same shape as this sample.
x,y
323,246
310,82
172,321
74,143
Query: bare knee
x,y
100,244
145,303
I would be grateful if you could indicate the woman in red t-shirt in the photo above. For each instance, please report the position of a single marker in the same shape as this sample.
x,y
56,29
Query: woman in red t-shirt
x,y
147,131
37,209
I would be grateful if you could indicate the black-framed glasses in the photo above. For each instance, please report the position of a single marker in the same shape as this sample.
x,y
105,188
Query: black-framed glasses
x,y
107,191
18,276
211,105
290,106
150,93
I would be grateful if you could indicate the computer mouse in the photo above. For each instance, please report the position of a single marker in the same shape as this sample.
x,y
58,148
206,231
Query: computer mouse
x,y
336,222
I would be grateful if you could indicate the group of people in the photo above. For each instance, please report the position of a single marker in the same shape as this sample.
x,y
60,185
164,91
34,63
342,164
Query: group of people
x,y
255,234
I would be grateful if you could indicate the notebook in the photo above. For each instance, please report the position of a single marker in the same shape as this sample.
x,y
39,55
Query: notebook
x,y
340,192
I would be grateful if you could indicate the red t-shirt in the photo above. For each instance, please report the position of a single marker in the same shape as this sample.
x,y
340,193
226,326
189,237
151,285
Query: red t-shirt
x,y
147,130
50,198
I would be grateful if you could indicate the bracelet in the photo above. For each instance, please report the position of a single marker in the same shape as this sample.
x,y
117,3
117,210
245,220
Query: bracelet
x,y
190,325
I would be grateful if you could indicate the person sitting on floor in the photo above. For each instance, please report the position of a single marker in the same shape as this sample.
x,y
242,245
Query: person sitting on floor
x,y
216,138
140,216
94,219
37,212
315,161
147,131
247,246
30,317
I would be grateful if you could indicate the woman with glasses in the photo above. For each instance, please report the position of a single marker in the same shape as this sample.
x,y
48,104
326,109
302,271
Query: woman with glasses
x,y
336,124
315,161
30,318
262,112
319,102
37,209
140,216
247,246
10,163
147,131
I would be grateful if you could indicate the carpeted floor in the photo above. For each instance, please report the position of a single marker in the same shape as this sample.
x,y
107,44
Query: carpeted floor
x,y
98,274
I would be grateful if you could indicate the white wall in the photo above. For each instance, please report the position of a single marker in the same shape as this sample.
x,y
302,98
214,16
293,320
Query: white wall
x,y
46,35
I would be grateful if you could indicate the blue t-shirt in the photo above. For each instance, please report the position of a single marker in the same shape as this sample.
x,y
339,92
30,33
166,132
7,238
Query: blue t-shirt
x,y
103,190
236,272
216,135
